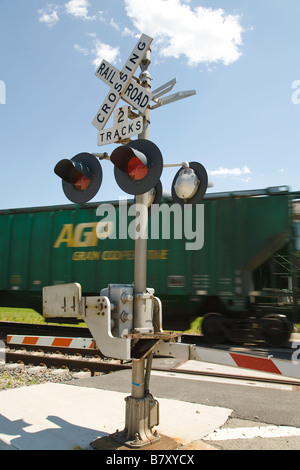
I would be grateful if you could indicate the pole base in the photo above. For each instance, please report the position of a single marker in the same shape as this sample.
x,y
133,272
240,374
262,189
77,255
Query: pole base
x,y
114,442
123,440
142,414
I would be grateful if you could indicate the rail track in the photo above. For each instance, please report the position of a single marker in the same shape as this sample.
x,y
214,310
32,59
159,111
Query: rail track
x,y
97,365
91,359
64,361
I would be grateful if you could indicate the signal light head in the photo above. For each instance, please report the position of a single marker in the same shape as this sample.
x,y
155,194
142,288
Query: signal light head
x,y
138,166
190,184
81,177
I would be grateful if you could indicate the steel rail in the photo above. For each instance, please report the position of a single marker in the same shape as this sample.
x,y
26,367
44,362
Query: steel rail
x,y
108,366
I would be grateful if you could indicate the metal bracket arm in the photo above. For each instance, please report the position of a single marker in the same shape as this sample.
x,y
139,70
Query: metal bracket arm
x,y
66,301
181,350
98,319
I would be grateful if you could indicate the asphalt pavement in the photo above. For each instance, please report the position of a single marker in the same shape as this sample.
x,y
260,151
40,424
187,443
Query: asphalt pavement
x,y
202,413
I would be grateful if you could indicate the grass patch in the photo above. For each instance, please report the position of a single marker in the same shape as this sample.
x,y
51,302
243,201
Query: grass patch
x,y
23,315
28,315
195,327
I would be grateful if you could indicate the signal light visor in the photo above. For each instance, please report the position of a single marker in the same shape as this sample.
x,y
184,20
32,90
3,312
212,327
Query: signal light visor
x,y
75,173
130,161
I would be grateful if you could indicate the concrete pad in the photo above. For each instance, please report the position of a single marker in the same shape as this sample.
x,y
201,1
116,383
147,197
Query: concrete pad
x,y
62,417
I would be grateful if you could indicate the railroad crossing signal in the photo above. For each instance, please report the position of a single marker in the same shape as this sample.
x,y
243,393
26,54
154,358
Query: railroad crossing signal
x,y
126,320
81,177
138,166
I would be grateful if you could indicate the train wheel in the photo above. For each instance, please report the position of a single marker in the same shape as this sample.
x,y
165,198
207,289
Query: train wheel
x,y
213,328
276,330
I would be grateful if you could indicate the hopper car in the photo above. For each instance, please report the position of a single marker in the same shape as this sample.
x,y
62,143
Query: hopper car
x,y
240,276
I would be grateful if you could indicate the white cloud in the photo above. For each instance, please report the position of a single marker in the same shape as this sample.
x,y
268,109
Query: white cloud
x,y
202,35
48,15
99,50
92,35
79,9
128,32
83,50
114,24
104,51
222,172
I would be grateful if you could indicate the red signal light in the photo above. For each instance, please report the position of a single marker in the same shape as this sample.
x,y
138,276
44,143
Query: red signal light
x,y
136,169
80,181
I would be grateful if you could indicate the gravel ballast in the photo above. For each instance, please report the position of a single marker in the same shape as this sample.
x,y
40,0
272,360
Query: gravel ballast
x,y
18,375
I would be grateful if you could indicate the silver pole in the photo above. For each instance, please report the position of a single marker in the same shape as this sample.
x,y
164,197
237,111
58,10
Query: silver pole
x,y
148,372
142,411
138,380
140,258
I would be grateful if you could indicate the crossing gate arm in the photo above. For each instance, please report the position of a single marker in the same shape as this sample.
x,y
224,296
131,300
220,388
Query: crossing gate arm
x,y
281,367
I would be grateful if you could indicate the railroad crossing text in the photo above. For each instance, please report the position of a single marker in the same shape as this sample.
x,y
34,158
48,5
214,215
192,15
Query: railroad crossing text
x,y
135,94
120,85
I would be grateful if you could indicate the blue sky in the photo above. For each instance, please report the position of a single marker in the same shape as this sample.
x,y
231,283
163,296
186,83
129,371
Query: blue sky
x,y
241,56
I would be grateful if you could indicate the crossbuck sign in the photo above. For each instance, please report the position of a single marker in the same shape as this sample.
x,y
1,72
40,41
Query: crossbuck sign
x,y
122,85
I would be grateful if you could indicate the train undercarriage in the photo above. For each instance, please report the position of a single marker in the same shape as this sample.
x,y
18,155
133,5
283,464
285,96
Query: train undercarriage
x,y
272,329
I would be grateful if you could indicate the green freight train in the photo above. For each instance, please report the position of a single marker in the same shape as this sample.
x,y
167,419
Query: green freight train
x,y
232,262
